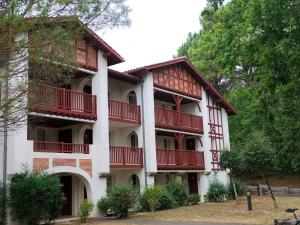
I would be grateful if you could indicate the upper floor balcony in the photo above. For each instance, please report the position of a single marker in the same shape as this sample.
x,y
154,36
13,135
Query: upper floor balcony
x,y
171,119
60,147
125,157
124,112
61,101
174,159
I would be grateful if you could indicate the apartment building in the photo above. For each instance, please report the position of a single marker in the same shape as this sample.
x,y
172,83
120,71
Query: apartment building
x,y
142,127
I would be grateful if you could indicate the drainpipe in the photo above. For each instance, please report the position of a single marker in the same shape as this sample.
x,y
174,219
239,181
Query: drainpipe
x,y
144,146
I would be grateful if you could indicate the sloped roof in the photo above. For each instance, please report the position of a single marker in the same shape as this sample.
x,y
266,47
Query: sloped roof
x,y
188,65
124,76
113,57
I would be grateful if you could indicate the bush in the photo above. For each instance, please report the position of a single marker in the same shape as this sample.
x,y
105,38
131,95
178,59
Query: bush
x,y
104,204
194,199
179,191
3,198
240,189
85,210
217,192
157,197
35,197
122,198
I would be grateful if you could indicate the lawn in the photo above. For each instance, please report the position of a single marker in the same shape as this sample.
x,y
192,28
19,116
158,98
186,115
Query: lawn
x,y
225,212
228,212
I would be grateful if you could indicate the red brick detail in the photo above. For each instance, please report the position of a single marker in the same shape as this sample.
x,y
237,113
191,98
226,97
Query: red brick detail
x,y
86,164
40,163
64,162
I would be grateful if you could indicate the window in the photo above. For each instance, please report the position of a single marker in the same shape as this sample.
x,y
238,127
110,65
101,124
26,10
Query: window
x,y
132,98
133,140
41,134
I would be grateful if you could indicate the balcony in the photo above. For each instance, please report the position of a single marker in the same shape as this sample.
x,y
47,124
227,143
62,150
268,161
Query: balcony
x,y
125,157
60,147
171,119
171,159
61,101
124,112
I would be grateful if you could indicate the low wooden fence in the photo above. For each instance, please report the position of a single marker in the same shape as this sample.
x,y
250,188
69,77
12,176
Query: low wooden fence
x,y
262,190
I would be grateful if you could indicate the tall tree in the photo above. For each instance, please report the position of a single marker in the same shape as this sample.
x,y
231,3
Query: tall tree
x,y
249,49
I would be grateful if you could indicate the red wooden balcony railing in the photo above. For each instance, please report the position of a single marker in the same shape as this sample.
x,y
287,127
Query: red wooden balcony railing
x,y
60,147
65,102
124,112
125,157
167,118
168,159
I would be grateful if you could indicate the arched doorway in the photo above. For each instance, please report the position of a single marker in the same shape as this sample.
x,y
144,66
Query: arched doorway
x,y
132,100
88,136
133,140
135,181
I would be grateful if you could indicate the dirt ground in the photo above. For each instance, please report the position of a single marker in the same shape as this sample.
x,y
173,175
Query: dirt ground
x,y
276,181
225,212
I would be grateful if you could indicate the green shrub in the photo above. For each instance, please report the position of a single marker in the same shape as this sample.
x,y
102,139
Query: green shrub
x,y
85,210
104,204
122,198
3,198
179,191
194,199
166,200
157,197
217,192
35,197
240,189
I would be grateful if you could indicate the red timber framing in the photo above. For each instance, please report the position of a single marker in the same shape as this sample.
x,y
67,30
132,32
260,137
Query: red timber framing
x,y
125,157
124,112
60,147
86,55
176,78
61,101
215,132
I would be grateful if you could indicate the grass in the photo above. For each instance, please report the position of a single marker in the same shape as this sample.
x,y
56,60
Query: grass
x,y
228,212
224,212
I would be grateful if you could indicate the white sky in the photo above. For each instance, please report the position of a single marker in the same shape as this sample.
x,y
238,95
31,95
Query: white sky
x,y
158,28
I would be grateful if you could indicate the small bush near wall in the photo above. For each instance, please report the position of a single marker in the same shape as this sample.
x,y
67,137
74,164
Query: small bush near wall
x,y
194,199
104,204
35,197
179,191
217,192
85,210
119,200
240,189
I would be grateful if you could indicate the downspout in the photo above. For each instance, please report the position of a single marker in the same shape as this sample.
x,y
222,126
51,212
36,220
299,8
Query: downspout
x,y
144,146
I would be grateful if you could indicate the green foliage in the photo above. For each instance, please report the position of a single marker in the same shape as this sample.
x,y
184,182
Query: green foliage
x,y
217,192
104,204
35,197
194,199
122,198
250,51
85,210
157,198
178,190
230,160
240,189
3,198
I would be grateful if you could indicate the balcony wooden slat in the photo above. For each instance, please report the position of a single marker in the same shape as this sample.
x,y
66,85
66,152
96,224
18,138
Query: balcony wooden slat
x,y
125,157
65,102
124,112
60,147
174,159
171,119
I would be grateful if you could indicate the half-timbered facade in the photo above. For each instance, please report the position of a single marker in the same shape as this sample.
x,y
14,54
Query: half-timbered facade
x,y
142,127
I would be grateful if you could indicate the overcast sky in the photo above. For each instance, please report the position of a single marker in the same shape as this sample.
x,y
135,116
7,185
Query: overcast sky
x,y
158,28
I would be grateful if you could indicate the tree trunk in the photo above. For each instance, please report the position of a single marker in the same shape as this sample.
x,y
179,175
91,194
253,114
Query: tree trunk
x,y
269,187
236,196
